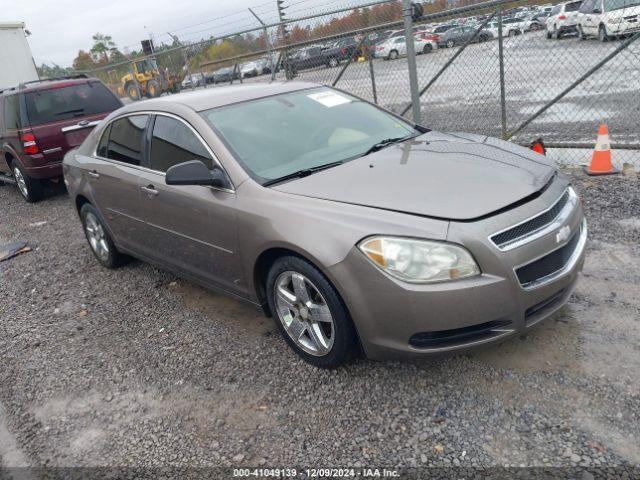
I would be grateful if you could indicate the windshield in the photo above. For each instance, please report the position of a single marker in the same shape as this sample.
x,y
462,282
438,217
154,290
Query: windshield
x,y
618,4
56,104
276,136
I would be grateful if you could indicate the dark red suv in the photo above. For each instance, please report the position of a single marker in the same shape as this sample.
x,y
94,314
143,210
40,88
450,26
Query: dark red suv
x,y
41,121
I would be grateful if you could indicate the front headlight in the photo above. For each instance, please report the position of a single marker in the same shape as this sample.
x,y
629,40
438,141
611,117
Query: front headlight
x,y
419,261
615,21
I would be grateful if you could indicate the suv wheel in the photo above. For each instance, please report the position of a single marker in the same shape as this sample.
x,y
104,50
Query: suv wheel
x,y
602,34
309,313
581,34
99,240
29,188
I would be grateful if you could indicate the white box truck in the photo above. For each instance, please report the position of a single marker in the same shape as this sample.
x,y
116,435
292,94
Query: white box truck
x,y
16,61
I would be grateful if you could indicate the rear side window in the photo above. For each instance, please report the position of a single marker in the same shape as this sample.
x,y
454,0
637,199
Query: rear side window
x,y
53,105
12,112
102,146
572,7
173,142
125,139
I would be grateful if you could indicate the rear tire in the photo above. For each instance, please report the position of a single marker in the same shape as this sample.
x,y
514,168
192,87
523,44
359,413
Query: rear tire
x,y
581,34
602,34
333,62
427,48
30,188
336,327
99,240
451,44
393,55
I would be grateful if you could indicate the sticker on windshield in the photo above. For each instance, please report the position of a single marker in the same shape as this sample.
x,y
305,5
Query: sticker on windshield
x,y
328,99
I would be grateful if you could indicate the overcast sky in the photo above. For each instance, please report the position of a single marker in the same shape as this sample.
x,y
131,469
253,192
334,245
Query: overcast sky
x,y
59,28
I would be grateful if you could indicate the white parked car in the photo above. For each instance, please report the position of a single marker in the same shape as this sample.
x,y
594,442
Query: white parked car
x,y
396,47
250,69
193,80
563,19
608,18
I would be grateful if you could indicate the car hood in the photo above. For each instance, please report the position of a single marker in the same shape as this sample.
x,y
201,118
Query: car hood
x,y
456,176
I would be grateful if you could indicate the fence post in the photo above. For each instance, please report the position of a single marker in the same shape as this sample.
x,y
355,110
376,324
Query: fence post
x,y
285,39
373,79
407,10
503,96
267,43
135,81
186,64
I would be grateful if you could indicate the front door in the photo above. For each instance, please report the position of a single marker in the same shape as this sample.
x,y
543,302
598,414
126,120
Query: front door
x,y
191,228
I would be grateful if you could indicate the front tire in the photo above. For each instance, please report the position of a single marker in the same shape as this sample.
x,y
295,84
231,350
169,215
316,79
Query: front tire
x,y
393,55
333,62
427,48
451,44
98,238
30,188
153,89
309,313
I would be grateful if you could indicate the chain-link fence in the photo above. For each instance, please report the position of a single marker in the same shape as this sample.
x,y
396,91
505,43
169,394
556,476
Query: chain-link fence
x,y
511,69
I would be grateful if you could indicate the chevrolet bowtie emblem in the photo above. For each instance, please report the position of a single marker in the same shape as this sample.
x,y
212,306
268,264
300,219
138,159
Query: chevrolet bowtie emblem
x,y
563,234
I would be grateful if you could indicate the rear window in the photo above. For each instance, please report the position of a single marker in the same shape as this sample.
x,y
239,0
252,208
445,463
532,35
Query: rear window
x,y
54,105
572,7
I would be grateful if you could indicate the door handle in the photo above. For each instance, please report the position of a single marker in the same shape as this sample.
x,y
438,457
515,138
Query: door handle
x,y
150,190
93,174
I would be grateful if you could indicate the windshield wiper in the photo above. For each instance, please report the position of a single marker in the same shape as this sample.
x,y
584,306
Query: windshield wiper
x,y
77,110
305,172
384,143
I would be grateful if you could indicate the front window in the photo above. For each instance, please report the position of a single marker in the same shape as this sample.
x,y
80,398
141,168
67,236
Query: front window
x,y
279,135
619,4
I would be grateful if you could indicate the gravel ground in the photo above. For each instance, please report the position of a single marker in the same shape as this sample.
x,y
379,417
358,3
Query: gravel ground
x,y
136,367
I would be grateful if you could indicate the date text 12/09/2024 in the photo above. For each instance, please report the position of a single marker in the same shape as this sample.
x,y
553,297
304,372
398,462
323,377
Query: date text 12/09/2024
x,y
315,473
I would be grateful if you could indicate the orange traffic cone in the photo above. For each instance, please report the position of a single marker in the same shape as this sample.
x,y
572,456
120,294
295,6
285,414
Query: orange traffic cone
x,y
538,146
601,160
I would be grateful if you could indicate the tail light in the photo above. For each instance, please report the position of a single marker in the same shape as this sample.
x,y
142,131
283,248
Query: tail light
x,y
29,144
562,17
343,51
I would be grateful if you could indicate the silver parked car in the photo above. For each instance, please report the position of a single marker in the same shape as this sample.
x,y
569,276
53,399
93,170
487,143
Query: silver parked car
x,y
354,228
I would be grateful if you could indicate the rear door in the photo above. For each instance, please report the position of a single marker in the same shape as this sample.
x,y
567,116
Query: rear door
x,y
191,228
112,175
61,117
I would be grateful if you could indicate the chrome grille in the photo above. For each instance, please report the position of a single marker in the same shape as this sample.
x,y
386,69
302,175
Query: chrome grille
x,y
534,227
551,265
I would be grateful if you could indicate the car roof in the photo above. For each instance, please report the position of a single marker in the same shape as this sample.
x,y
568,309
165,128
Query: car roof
x,y
208,98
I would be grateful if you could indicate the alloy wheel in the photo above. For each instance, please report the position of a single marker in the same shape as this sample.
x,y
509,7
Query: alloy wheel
x,y
450,44
96,236
304,313
22,184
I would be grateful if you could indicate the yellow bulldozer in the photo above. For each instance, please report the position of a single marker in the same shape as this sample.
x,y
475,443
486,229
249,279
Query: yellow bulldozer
x,y
152,82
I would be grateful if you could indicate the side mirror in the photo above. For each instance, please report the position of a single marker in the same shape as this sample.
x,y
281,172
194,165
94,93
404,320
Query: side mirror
x,y
194,172
596,10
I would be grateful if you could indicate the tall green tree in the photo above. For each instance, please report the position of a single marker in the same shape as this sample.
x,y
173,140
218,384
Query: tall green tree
x,y
102,46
